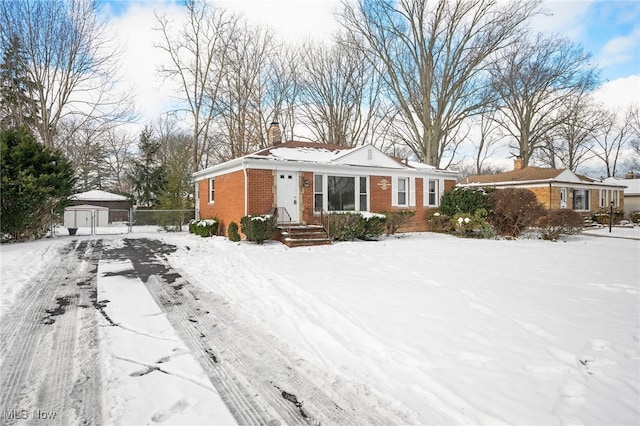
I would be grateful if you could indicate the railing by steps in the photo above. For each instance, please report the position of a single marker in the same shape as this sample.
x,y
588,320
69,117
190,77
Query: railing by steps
x,y
282,216
326,222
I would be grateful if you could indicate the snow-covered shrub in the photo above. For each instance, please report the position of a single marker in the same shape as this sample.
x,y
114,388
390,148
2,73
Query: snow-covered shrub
x,y
232,232
349,226
464,200
514,210
635,217
439,222
602,217
206,227
259,228
475,225
192,226
396,219
558,223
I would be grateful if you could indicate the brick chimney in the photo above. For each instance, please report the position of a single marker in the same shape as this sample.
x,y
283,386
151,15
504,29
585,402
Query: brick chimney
x,y
518,164
274,137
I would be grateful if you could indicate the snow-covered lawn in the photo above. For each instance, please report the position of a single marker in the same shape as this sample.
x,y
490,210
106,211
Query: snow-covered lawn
x,y
447,330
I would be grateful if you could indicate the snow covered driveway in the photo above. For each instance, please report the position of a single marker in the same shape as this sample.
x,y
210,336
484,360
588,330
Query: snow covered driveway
x,y
49,348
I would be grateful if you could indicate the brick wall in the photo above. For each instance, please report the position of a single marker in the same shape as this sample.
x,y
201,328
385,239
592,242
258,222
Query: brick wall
x,y
261,190
228,205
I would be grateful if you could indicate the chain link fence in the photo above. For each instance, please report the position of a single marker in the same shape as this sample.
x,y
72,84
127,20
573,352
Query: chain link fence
x,y
166,220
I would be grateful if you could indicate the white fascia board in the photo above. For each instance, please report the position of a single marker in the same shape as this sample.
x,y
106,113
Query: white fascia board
x,y
542,182
269,163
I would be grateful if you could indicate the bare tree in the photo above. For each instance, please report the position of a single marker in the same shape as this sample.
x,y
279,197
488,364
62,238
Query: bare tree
x,y
633,162
118,147
534,79
243,92
71,60
569,144
614,135
340,100
431,57
198,57
488,141
283,86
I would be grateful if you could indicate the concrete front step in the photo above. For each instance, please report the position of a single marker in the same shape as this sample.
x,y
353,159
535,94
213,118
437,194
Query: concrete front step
x,y
303,235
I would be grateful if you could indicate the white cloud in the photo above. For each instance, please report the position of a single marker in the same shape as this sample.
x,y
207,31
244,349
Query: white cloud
x,y
297,19
620,49
620,93
566,18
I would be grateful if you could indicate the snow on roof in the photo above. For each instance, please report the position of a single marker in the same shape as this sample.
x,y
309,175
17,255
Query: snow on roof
x,y
97,195
420,166
310,154
632,185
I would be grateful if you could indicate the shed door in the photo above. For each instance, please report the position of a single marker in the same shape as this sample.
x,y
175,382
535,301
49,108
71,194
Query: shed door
x,y
288,195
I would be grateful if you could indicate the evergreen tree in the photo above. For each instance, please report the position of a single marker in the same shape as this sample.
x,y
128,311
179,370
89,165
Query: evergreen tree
x,y
17,108
147,175
34,181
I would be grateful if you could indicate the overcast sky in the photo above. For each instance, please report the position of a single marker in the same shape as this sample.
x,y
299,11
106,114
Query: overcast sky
x,y
609,29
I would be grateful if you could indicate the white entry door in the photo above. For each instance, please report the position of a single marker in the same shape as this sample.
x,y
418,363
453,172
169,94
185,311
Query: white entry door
x,y
288,195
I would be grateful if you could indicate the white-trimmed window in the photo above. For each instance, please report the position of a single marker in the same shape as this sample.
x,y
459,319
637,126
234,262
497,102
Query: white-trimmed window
x,y
603,198
318,193
364,193
403,191
432,193
212,193
615,197
340,193
581,199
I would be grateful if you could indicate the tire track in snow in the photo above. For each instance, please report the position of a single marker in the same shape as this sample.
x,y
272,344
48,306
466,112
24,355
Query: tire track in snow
x,y
48,347
258,382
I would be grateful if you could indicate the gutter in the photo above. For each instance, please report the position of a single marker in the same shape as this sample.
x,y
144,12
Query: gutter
x,y
246,187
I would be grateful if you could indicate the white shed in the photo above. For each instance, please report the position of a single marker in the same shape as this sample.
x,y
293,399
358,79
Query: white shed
x,y
86,215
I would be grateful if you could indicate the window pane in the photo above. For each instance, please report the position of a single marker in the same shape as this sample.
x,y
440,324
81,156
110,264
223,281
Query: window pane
x,y
317,190
341,193
402,198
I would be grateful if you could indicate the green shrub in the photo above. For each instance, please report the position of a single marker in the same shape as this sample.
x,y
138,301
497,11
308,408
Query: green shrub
x,y
352,226
602,217
439,222
192,226
557,223
514,210
397,219
259,228
207,228
464,200
232,232
475,225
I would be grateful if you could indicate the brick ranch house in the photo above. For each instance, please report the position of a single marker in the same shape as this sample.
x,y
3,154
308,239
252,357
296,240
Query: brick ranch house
x,y
555,188
300,180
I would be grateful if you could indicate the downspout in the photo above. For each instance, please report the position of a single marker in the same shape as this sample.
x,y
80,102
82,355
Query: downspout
x,y
246,188
196,184
550,197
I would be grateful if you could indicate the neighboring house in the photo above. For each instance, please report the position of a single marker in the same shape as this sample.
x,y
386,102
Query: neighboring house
x,y
631,194
118,205
555,188
301,180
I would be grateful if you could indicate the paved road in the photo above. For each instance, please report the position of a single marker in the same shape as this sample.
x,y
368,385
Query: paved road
x,y
50,347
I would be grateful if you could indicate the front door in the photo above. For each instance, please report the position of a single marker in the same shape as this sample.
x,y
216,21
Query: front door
x,y
288,195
